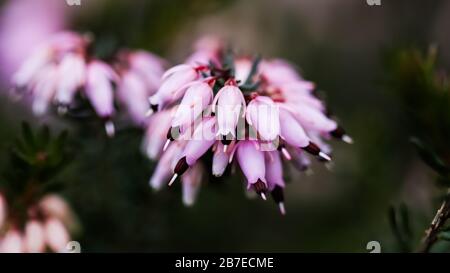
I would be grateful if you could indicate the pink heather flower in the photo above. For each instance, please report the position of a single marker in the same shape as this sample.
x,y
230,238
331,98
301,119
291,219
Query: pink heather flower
x,y
44,88
221,158
62,66
141,74
38,21
99,87
207,49
12,242
34,237
3,210
263,115
156,133
202,139
291,130
166,164
274,176
198,96
47,224
71,76
56,235
242,67
228,104
149,66
279,71
50,53
283,118
251,161
191,182
99,90
174,82
132,92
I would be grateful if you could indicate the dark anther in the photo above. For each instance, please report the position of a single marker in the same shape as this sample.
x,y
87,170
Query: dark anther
x,y
278,194
312,148
181,166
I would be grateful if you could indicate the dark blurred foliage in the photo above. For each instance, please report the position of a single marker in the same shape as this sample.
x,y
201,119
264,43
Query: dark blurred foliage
x,y
34,161
382,99
424,91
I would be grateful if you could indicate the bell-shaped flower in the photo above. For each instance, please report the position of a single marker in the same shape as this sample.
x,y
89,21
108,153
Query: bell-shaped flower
x,y
196,99
291,131
251,161
174,83
262,113
228,105
34,237
72,75
191,182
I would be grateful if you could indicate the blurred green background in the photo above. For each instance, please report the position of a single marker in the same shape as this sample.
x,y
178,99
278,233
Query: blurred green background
x,y
342,45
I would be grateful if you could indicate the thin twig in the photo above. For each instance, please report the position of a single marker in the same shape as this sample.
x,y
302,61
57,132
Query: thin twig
x,y
431,234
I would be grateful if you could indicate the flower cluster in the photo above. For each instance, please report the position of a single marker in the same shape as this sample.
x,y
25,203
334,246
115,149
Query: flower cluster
x,y
256,111
64,67
44,226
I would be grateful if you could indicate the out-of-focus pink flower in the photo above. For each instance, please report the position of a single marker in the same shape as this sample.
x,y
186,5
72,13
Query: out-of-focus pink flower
x,y
72,75
207,49
47,223
278,72
132,91
23,25
99,87
12,242
156,133
99,90
34,237
141,74
3,210
56,235
149,66
191,182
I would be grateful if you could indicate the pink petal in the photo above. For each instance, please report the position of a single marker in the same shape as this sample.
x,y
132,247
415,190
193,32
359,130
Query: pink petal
x,y
203,139
251,161
34,237
274,170
291,131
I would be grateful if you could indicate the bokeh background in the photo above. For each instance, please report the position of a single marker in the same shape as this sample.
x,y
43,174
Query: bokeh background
x,y
342,45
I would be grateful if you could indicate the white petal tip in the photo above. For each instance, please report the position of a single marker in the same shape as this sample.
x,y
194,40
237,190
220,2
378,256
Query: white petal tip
x,y
282,208
225,148
286,154
324,156
110,129
263,196
149,113
347,139
166,145
174,177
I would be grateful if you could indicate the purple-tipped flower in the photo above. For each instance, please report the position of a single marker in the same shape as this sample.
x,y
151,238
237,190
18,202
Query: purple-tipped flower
x,y
259,114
